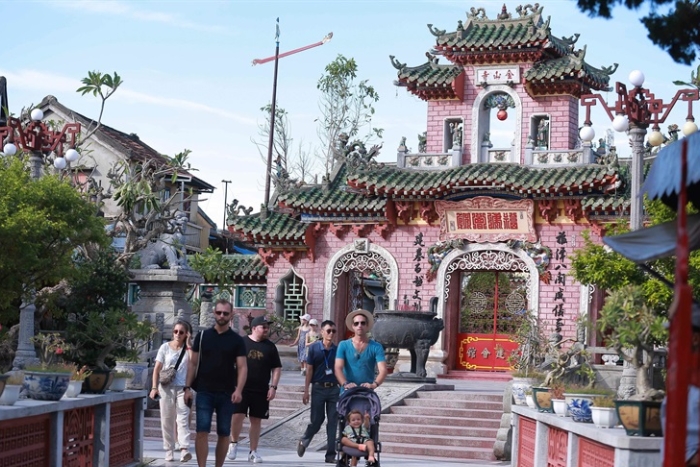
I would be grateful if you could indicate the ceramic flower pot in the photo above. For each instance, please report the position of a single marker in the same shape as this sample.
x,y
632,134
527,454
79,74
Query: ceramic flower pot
x,y
543,399
139,371
46,386
604,417
74,389
97,382
530,401
640,418
560,408
3,381
10,394
118,384
520,385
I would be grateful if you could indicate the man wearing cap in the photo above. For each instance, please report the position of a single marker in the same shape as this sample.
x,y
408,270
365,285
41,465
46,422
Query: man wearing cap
x,y
264,371
320,361
358,356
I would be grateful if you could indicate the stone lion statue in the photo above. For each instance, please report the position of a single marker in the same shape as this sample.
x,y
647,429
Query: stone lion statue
x,y
169,247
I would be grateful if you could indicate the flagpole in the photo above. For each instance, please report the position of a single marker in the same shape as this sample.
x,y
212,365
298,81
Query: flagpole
x,y
271,140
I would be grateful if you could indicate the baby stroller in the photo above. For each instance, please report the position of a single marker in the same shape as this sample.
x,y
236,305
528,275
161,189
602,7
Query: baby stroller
x,y
366,401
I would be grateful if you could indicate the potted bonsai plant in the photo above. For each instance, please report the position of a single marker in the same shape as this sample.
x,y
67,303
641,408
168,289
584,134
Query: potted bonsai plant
x,y
628,323
556,391
77,378
603,412
48,380
532,346
13,386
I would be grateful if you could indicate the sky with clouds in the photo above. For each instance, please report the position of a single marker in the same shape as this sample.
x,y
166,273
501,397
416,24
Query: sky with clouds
x,y
189,83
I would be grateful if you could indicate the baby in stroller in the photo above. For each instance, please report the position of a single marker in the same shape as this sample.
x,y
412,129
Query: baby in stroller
x,y
358,439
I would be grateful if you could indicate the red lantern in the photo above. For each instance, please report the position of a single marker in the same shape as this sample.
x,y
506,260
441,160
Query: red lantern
x,y
502,114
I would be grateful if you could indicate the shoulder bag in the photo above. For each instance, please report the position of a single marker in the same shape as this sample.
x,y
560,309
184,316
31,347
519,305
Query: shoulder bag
x,y
167,375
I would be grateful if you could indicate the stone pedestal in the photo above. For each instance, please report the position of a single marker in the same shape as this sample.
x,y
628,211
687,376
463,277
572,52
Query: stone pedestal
x,y
25,355
163,291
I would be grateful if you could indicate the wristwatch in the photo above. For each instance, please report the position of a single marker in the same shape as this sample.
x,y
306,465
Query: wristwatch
x,y
273,387
186,388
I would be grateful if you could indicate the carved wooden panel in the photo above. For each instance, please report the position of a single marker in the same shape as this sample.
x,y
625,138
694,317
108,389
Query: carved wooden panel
x,y
592,454
557,444
526,442
121,433
78,437
25,441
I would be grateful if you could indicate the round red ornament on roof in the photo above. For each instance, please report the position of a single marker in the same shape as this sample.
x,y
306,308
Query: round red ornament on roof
x,y
502,115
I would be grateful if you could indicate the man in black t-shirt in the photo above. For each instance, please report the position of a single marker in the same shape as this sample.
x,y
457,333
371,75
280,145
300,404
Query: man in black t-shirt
x,y
263,363
216,353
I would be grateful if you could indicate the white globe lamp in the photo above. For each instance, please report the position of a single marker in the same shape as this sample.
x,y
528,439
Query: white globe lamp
x,y
72,155
689,127
37,114
656,138
59,163
621,123
9,149
587,133
636,78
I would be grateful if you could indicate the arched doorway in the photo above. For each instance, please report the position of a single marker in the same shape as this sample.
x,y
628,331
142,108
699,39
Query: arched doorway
x,y
355,274
482,288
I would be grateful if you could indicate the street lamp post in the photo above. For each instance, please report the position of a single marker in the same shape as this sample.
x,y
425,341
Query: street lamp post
x,y
39,141
635,111
225,182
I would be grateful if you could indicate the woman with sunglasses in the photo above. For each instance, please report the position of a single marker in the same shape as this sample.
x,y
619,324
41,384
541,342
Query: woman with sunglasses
x,y
358,357
174,413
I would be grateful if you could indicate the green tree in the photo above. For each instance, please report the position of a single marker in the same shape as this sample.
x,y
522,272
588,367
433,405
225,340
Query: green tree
x,y
347,107
677,30
42,222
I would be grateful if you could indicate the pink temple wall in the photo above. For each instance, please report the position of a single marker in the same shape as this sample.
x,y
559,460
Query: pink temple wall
x,y
563,111
401,246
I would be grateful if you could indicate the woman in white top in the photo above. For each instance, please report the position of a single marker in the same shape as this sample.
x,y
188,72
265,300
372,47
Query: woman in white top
x,y
174,413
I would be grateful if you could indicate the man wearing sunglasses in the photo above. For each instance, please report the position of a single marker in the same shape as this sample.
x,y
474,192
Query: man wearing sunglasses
x,y
320,361
217,370
358,357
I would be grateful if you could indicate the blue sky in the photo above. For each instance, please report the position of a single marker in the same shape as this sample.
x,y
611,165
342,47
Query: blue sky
x,y
189,83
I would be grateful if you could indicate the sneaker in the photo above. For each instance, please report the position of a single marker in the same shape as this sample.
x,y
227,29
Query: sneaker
x,y
330,459
185,456
254,457
232,451
169,456
301,449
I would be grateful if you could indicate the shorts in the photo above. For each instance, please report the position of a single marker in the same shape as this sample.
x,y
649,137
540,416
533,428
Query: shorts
x,y
207,403
254,404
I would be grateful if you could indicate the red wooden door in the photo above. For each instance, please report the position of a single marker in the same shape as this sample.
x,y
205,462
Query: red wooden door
x,y
489,302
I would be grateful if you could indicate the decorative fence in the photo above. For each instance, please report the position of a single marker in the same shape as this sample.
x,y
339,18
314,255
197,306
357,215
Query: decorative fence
x,y
91,430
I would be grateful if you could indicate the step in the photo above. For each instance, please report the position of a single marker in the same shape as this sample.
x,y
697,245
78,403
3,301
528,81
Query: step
x,y
412,420
441,452
432,440
423,412
454,403
441,430
457,395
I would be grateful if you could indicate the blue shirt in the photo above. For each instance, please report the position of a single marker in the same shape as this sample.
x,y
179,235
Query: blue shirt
x,y
322,360
360,368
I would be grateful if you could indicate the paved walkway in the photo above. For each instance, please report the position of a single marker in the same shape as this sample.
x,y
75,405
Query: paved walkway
x,y
153,450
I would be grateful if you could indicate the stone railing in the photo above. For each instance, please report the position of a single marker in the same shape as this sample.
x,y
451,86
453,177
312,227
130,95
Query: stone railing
x,y
554,158
429,161
91,430
547,439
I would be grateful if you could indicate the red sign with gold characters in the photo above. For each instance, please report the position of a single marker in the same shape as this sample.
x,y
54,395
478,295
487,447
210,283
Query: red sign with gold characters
x,y
486,219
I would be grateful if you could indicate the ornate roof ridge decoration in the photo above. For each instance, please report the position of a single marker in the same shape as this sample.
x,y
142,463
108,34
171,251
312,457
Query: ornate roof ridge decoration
x,y
276,230
430,80
569,74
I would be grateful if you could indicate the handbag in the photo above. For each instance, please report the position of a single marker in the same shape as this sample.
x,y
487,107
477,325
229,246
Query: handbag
x,y
167,375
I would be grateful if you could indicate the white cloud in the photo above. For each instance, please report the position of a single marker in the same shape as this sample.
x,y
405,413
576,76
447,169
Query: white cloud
x,y
129,11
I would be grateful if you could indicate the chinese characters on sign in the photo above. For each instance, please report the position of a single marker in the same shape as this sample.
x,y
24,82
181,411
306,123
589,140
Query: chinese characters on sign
x,y
418,280
497,75
560,281
485,219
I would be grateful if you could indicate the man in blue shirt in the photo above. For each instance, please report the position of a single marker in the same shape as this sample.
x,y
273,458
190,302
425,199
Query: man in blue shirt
x,y
320,361
358,358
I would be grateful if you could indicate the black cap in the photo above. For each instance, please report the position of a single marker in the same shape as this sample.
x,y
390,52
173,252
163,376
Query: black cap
x,y
259,321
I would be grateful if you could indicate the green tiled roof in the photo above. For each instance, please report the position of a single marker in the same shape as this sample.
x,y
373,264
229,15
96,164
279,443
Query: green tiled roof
x,y
606,205
247,266
277,227
427,74
336,199
501,34
513,178
571,66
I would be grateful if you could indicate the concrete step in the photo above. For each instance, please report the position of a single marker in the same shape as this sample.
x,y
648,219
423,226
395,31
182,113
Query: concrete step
x,y
438,430
460,395
432,440
422,412
454,403
458,423
453,452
